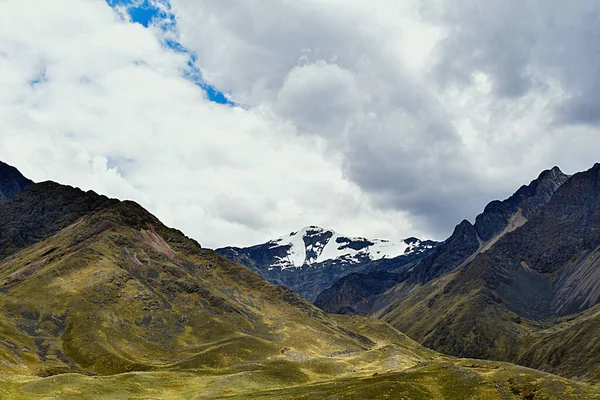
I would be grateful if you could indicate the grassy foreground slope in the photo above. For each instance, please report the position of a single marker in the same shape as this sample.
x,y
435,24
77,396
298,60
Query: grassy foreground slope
x,y
455,379
470,321
403,370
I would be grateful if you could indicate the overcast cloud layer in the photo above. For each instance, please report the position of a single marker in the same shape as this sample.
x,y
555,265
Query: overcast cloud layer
x,y
380,119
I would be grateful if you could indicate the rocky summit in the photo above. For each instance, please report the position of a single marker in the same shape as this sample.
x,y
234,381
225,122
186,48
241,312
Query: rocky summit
x,y
312,259
519,285
11,182
467,240
531,298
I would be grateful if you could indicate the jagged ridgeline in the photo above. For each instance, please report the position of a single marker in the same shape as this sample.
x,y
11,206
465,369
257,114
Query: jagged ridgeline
x,y
368,292
312,259
11,182
522,284
531,298
98,299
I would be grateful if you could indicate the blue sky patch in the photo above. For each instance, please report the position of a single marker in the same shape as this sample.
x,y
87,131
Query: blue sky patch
x,y
158,13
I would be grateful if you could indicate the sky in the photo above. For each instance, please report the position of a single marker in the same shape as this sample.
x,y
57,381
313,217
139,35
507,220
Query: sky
x,y
239,121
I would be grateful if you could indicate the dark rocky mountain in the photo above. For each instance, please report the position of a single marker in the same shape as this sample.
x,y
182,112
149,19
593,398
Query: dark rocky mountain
x,y
528,200
357,293
11,182
312,259
467,240
41,211
534,290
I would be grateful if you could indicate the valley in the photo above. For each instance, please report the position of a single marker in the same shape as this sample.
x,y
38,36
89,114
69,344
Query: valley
x,y
99,299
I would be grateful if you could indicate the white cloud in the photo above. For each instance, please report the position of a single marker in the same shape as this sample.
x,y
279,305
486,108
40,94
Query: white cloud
x,y
438,152
113,114
319,97
378,118
351,73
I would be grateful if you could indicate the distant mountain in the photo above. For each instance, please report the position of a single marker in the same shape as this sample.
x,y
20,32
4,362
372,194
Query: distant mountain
x,y
497,219
532,297
310,260
11,182
467,240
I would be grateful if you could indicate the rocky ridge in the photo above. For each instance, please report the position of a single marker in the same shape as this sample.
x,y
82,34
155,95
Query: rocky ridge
x,y
467,240
310,260
11,182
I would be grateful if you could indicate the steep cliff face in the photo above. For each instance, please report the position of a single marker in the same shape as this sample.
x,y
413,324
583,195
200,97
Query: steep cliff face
x,y
557,251
529,199
497,219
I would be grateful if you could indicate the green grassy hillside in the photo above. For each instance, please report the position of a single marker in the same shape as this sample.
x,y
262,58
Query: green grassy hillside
x,y
458,315
116,291
458,379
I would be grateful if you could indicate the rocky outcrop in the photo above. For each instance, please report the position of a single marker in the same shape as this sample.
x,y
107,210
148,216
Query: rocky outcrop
x,y
356,293
528,199
467,239
11,182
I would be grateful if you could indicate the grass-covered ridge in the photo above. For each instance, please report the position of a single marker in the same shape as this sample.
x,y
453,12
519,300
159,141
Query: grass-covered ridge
x,y
441,379
116,291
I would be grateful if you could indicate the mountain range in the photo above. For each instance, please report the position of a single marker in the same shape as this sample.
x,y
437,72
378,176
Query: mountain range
x,y
520,284
312,259
466,242
99,299
531,298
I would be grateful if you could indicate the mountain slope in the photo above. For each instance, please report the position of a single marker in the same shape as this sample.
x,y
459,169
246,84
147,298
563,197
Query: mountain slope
x,y
11,182
407,371
506,302
95,285
460,379
467,240
98,299
310,260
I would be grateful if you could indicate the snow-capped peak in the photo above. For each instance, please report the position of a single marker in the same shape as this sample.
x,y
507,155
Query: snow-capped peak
x,y
314,244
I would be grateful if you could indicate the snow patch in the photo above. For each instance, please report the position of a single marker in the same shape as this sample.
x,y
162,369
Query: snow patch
x,y
338,247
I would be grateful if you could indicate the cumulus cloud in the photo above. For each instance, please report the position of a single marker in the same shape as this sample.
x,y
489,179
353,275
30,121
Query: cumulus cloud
x,y
459,102
319,97
526,47
114,113
349,74
378,118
